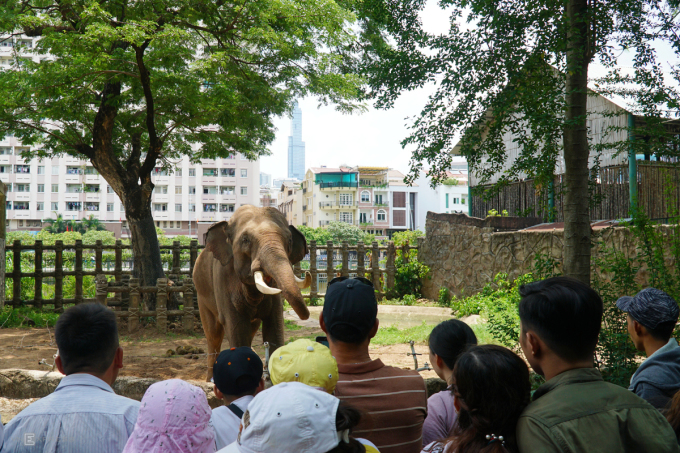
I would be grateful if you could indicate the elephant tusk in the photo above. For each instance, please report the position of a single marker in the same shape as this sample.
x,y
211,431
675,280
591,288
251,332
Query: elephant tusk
x,y
262,286
304,283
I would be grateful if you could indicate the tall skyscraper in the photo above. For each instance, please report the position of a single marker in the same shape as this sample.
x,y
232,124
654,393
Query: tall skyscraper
x,y
296,147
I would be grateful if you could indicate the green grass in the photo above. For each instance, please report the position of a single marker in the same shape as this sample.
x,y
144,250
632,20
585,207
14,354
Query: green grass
x,y
290,325
394,335
11,317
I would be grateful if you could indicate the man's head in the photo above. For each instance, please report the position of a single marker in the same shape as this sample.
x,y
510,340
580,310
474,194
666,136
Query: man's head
x,y
304,361
87,338
237,372
651,313
560,316
350,311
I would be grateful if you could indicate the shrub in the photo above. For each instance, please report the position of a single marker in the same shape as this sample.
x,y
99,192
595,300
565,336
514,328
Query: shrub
x,y
408,277
444,297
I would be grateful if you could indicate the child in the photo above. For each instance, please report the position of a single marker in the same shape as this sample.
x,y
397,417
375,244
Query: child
x,y
174,417
237,375
448,341
304,361
491,388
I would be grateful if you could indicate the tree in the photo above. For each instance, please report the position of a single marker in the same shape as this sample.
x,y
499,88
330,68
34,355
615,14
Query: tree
x,y
56,225
523,67
336,232
93,224
132,85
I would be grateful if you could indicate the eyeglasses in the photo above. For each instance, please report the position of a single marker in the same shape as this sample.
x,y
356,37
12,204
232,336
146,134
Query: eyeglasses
x,y
361,279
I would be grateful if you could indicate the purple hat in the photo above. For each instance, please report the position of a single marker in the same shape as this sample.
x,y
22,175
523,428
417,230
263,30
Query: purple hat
x,y
173,418
650,307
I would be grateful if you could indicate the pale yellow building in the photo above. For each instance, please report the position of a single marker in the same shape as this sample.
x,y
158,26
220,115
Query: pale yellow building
x,y
330,194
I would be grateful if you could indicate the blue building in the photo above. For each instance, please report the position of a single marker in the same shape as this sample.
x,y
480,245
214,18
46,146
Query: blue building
x,y
296,147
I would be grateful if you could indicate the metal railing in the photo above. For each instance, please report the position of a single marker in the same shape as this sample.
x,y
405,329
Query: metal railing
x,y
338,185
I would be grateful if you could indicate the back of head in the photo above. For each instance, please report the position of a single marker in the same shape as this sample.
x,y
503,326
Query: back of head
x,y
87,338
350,309
492,387
304,361
673,412
565,313
346,419
449,339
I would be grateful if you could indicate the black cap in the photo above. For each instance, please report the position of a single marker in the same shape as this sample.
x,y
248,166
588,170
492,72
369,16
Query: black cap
x,y
650,307
350,310
236,363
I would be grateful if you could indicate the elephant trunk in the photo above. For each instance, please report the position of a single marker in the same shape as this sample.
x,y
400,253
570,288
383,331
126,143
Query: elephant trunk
x,y
275,264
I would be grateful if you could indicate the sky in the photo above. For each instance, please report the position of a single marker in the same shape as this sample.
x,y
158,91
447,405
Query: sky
x,y
371,138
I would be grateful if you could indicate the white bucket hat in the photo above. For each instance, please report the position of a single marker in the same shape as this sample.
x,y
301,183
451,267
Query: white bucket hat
x,y
290,417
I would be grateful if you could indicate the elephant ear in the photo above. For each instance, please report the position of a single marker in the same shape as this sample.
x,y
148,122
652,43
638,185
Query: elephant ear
x,y
299,245
217,241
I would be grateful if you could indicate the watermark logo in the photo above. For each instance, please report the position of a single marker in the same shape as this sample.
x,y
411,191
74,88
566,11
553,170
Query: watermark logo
x,y
29,439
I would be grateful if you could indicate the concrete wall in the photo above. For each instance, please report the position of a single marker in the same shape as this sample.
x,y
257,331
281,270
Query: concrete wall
x,y
465,253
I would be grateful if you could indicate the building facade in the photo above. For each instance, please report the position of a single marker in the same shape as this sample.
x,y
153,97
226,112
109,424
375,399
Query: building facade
x,y
296,147
330,194
373,200
290,202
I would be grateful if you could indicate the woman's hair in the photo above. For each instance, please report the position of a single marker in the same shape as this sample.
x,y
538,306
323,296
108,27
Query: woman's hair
x,y
492,388
673,412
347,417
449,339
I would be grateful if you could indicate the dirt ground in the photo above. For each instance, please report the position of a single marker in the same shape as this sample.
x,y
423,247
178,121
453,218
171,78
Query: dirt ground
x,y
145,352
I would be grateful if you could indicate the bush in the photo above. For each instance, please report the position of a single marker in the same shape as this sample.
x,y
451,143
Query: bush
x,y
444,297
408,277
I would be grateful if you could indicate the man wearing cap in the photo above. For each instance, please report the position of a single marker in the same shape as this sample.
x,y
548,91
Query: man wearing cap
x,y
237,375
652,316
393,400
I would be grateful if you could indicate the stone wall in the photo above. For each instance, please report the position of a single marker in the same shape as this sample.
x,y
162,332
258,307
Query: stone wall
x,y
464,254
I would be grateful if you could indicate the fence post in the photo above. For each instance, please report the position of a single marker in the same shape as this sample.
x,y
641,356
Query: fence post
x,y
3,251
102,286
405,252
193,255
38,261
98,257
361,259
345,259
118,269
133,310
330,272
314,289
176,261
125,296
375,266
16,274
79,272
188,299
161,305
391,254
58,276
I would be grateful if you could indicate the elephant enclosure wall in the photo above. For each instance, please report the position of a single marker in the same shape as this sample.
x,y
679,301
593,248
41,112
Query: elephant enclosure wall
x,y
465,253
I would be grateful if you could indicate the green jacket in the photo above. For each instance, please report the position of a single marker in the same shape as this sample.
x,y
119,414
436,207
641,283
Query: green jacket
x,y
577,412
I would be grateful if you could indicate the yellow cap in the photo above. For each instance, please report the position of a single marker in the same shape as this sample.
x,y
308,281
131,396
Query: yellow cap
x,y
304,361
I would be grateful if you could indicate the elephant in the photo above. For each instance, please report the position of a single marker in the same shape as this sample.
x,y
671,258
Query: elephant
x,y
242,275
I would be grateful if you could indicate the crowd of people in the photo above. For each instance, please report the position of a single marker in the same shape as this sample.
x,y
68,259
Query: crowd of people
x,y
338,399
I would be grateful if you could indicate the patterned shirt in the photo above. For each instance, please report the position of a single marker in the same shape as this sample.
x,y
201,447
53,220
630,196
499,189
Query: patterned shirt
x,y
393,403
83,415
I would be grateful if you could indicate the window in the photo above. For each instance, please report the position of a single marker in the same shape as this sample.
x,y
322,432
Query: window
x,y
226,208
244,157
228,172
382,215
55,188
5,150
178,190
92,188
244,191
8,205
463,200
244,173
192,172
192,190
227,190
71,188
365,197
346,199
54,206
165,223
22,187
109,189
122,208
209,207
22,169
55,170
74,206
231,156
209,190
192,207
34,223
90,171
399,218
89,206
70,171
379,200
210,172
5,169
109,207
178,172
40,206
21,205
178,207
160,207
346,217
399,199
456,200
162,190
158,171
363,217
41,169
447,201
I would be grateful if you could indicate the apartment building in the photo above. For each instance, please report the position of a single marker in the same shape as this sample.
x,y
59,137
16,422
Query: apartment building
x,y
290,202
330,194
374,200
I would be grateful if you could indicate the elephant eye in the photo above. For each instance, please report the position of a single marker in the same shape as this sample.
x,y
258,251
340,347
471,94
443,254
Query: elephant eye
x,y
245,239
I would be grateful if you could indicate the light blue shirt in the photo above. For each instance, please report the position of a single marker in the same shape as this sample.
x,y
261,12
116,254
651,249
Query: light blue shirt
x,y
83,415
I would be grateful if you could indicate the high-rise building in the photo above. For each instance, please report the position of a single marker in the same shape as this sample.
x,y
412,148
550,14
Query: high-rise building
x,y
296,147
265,180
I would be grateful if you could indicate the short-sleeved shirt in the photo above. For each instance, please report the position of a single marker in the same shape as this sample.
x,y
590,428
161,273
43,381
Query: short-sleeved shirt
x,y
393,403
441,416
226,423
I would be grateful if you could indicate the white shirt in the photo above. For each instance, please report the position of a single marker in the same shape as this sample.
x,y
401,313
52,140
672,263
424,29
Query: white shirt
x,y
226,423
82,415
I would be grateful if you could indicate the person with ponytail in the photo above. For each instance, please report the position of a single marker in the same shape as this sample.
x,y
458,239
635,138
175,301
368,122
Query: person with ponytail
x,y
448,341
491,389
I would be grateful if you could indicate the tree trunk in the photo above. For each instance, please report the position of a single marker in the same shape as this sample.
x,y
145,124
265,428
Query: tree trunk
x,y
576,151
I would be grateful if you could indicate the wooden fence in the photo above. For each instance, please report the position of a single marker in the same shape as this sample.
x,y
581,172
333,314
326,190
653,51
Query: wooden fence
x,y
658,191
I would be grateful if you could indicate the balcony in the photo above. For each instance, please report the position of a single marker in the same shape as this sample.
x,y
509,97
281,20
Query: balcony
x,y
304,190
337,204
338,185
304,207
324,222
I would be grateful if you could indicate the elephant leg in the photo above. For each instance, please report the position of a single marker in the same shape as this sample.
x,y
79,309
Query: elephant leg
x,y
254,325
214,333
272,325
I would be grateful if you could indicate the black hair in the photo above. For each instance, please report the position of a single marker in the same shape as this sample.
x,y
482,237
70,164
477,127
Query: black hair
x,y
345,333
247,383
493,388
347,417
87,338
565,313
449,339
663,331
